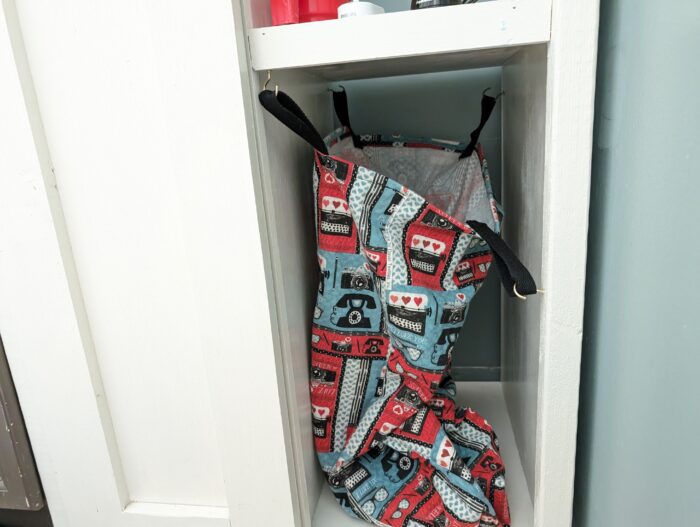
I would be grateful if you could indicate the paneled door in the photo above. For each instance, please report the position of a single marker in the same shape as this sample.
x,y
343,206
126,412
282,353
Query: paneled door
x,y
133,305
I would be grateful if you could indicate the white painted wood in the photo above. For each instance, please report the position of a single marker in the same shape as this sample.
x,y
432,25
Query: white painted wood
x,y
286,195
533,367
481,58
571,68
541,338
140,119
107,71
134,118
487,398
41,315
525,82
426,35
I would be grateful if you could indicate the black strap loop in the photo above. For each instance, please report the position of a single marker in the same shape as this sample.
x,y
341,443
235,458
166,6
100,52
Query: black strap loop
x,y
514,275
488,103
286,110
340,104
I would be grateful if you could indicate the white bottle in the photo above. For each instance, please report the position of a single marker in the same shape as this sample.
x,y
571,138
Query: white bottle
x,y
358,8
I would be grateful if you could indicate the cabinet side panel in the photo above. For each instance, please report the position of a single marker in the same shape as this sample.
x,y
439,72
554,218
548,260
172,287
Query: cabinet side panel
x,y
286,198
524,81
571,66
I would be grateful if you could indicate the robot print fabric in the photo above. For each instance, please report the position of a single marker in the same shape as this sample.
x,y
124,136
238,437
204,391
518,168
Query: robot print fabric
x,y
397,276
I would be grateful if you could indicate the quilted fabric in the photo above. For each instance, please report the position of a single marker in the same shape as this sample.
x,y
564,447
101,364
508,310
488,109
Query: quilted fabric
x,y
397,276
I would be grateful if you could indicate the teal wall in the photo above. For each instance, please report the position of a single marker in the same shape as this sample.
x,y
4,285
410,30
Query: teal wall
x,y
447,106
638,463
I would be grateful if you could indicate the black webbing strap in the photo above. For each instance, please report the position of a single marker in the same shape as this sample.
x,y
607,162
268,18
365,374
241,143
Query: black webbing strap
x,y
340,104
286,110
513,272
488,103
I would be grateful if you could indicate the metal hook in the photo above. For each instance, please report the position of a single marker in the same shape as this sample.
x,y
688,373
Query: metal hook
x,y
523,297
269,77
483,93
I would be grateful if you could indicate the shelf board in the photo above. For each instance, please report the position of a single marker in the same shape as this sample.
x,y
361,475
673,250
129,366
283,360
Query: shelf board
x,y
471,35
487,399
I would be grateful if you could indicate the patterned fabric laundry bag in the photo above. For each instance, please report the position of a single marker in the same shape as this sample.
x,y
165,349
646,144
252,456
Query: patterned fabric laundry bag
x,y
406,232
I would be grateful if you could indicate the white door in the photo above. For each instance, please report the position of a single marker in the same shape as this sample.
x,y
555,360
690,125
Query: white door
x,y
132,291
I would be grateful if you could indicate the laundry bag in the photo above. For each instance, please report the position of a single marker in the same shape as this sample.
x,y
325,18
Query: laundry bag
x,y
406,231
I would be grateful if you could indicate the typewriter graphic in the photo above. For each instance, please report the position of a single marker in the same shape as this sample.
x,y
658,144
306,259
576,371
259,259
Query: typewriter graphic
x,y
343,482
349,477
373,260
335,217
426,253
433,219
408,311
472,269
319,419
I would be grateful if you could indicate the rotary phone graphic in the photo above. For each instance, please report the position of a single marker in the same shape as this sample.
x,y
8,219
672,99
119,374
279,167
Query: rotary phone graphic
x,y
354,317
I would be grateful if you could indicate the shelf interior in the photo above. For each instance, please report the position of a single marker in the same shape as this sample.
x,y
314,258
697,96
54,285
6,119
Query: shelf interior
x,y
285,162
487,399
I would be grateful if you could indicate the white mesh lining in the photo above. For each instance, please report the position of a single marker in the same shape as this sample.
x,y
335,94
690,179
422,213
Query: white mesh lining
x,y
454,185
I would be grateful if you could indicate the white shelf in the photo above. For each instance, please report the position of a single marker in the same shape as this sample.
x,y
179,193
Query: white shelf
x,y
472,35
487,399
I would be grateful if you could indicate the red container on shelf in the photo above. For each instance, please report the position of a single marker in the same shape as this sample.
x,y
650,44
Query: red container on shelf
x,y
315,10
295,11
284,12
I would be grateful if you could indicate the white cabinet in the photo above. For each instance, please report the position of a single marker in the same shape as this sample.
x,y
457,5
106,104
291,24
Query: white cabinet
x,y
132,294
157,267
547,52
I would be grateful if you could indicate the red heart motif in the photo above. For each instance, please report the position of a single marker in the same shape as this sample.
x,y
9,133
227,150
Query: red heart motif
x,y
436,246
345,206
426,243
336,204
415,241
445,453
448,443
325,202
460,296
323,412
418,300
443,464
394,298
406,299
